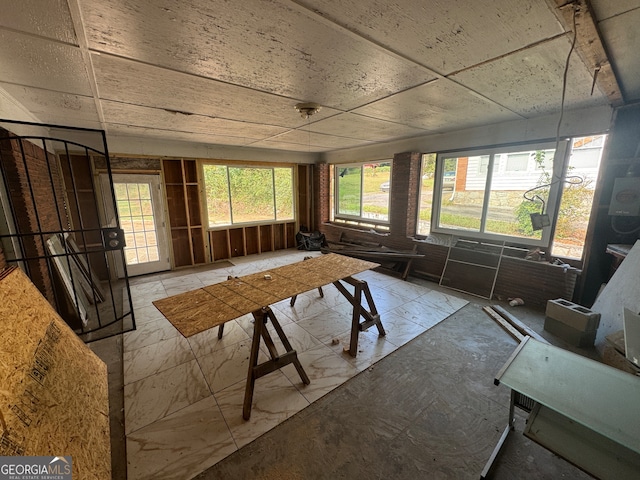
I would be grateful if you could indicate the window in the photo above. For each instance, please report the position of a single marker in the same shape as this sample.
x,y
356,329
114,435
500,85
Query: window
x,y
241,194
428,172
577,196
480,193
361,193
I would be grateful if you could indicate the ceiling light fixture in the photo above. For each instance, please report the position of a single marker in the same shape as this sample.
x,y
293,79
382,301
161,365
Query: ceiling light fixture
x,y
307,109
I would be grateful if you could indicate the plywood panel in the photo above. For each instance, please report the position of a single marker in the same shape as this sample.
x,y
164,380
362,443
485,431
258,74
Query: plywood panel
x,y
205,308
54,395
622,291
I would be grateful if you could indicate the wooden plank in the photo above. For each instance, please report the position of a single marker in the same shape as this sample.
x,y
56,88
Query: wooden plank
x,y
503,323
54,397
517,324
204,308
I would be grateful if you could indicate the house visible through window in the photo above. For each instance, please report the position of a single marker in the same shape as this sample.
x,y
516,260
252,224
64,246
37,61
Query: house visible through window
x,y
362,193
240,194
493,193
577,196
480,193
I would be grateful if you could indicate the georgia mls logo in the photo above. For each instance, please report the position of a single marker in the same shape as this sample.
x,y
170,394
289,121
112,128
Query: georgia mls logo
x,y
35,468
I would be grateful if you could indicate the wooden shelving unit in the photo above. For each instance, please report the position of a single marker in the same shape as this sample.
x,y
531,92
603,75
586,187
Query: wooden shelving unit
x,y
183,205
251,239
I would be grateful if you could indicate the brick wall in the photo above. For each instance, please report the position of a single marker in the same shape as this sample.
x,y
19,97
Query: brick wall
x,y
37,198
535,282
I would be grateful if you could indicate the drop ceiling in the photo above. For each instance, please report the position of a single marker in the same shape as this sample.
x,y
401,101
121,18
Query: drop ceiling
x,y
230,72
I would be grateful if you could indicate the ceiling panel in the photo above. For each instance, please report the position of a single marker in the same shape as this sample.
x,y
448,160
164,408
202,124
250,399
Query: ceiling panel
x,y
605,9
364,128
443,35
45,18
172,135
217,71
36,62
272,46
438,106
146,85
122,114
307,140
529,81
620,32
55,108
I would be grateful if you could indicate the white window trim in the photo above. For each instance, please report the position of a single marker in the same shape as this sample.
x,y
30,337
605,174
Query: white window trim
x,y
232,224
355,220
552,205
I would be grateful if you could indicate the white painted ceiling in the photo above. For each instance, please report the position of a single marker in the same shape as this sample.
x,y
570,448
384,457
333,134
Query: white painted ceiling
x,y
230,72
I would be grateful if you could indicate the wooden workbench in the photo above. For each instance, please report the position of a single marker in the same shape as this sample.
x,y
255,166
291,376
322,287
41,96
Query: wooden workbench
x,y
199,310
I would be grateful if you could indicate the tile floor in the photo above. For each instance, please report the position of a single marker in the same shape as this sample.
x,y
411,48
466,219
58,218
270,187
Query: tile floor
x,y
183,397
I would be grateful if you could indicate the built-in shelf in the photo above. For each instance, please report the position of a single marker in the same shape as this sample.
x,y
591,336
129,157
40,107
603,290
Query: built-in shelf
x,y
188,241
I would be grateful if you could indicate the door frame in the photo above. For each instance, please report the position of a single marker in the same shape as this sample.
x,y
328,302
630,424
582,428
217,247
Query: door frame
x,y
155,182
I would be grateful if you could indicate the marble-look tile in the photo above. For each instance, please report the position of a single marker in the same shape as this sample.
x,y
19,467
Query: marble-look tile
x,y
191,280
386,300
298,337
148,334
377,279
146,314
213,276
228,365
181,445
274,400
159,395
208,342
399,329
420,313
371,348
327,324
246,323
442,301
149,288
326,370
305,306
408,290
143,362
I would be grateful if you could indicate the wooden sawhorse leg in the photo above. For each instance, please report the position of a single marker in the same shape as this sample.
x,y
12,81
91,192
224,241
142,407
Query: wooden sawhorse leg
x,y
277,361
371,316
292,302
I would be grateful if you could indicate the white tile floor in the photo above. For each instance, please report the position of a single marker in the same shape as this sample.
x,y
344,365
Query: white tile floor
x,y
183,397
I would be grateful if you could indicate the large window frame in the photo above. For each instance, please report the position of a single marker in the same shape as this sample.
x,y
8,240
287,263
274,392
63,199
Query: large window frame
x,y
232,203
551,203
360,218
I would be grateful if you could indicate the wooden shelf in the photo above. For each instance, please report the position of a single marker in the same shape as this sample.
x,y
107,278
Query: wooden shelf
x,y
188,241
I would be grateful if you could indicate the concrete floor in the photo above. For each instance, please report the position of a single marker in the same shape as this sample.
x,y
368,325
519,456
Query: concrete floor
x,y
429,410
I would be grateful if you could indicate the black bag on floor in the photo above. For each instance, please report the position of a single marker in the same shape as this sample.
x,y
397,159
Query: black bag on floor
x,y
310,240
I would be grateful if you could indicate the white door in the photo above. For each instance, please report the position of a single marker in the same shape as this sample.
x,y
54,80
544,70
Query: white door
x,y
142,218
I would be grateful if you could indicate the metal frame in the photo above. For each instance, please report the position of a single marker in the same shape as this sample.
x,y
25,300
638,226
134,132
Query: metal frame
x,y
106,316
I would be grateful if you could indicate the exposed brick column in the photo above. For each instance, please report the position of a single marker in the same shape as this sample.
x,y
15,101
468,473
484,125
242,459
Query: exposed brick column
x,y
403,208
37,213
322,189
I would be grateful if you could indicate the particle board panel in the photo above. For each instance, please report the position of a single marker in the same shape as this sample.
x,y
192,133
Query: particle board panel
x,y
204,308
54,389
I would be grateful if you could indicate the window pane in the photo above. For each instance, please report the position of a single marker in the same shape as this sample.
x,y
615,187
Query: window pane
x,y
376,188
426,193
463,185
577,198
513,174
217,192
251,194
349,190
283,178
